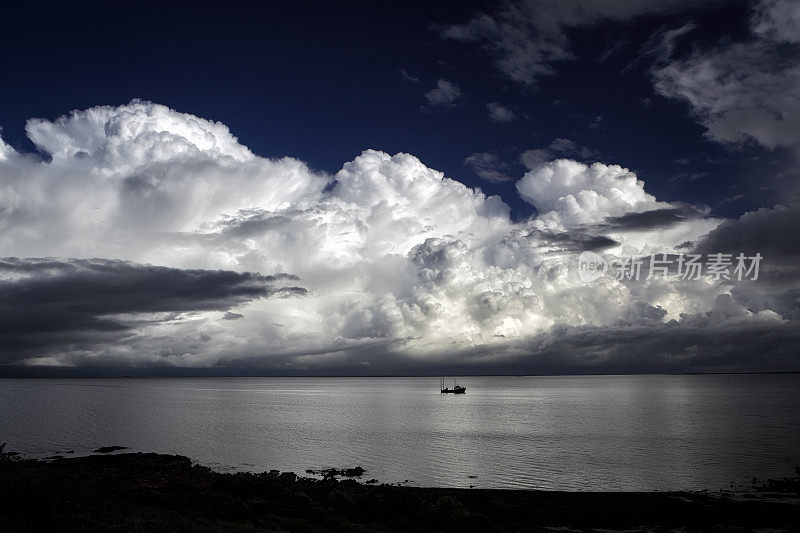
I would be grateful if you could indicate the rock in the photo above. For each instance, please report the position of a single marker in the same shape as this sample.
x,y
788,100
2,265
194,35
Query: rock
x,y
109,449
290,477
331,473
354,472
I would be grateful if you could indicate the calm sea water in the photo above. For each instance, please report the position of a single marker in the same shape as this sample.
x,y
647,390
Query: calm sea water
x,y
565,433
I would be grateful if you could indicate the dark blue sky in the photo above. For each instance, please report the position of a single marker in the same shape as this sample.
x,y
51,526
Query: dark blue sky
x,y
322,82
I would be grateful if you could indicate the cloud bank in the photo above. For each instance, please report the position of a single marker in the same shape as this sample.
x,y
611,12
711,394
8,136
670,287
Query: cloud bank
x,y
168,244
59,306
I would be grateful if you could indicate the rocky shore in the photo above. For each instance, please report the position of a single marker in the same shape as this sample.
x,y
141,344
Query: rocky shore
x,y
151,492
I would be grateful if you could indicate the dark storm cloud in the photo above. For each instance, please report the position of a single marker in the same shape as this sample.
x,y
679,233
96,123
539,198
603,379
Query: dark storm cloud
x,y
574,241
648,220
716,341
773,234
671,347
74,303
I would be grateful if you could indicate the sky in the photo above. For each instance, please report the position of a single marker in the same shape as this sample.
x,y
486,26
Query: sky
x,y
225,189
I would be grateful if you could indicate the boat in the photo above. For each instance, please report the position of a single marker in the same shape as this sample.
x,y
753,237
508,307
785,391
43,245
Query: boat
x,y
457,389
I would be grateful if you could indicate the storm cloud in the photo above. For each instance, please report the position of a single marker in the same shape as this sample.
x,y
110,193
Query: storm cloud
x,y
656,218
51,304
396,267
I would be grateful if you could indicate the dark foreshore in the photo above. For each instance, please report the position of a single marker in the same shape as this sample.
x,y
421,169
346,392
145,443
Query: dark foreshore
x,y
151,492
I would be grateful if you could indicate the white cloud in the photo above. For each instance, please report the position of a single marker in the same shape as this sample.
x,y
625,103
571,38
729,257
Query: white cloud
x,y
402,265
138,134
777,20
746,90
5,150
573,193
445,94
570,195
528,37
499,113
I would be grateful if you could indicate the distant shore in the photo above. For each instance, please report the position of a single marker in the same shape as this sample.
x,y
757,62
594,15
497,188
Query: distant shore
x,y
13,372
152,492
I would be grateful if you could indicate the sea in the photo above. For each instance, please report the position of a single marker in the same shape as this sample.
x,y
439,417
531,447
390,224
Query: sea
x,y
569,433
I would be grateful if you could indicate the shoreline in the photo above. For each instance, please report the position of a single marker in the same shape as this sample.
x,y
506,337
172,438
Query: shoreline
x,y
147,491
744,485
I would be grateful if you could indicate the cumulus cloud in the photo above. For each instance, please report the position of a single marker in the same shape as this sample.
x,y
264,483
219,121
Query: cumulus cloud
x,y
527,38
611,201
121,179
5,150
742,91
393,263
573,193
499,113
446,94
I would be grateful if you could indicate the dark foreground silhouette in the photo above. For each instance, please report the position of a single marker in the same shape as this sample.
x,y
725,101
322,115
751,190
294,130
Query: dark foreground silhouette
x,y
150,492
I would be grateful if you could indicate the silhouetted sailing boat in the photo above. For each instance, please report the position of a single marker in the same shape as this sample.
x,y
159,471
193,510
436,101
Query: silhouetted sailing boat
x,y
457,389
